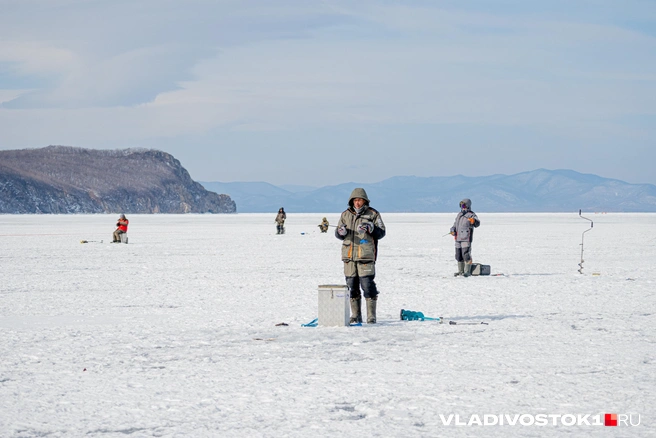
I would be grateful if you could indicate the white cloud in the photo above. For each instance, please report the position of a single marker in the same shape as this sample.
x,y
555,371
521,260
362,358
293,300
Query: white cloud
x,y
36,58
127,73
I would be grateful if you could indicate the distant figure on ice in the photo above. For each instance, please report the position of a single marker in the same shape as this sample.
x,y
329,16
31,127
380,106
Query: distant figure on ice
x,y
323,226
463,232
360,228
122,225
280,221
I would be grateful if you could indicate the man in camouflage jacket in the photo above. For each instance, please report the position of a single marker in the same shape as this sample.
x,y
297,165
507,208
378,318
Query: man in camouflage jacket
x,y
360,227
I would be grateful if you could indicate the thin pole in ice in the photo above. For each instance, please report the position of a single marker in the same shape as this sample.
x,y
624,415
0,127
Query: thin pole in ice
x,y
582,236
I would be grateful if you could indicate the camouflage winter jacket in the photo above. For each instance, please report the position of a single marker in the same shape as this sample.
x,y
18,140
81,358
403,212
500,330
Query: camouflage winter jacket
x,y
358,245
280,218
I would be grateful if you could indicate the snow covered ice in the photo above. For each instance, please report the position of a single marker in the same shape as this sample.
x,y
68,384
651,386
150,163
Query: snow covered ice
x,y
175,333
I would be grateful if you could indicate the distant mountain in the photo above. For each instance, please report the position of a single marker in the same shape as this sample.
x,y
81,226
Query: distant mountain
x,y
539,190
61,179
297,189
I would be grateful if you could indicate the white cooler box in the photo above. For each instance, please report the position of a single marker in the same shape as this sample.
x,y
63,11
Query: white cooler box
x,y
334,305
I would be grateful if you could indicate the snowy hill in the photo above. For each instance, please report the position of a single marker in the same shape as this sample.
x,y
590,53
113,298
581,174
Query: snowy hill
x,y
539,190
60,179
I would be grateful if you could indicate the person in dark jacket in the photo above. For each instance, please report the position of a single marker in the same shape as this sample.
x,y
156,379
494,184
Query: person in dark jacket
x,y
463,232
360,227
280,221
122,228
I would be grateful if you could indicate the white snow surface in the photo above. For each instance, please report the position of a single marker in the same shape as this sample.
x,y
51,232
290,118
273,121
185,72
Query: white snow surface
x,y
175,334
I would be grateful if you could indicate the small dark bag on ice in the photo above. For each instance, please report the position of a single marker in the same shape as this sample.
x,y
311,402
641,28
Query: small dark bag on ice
x,y
478,269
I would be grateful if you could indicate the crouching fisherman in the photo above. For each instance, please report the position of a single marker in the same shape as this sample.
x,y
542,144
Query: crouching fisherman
x,y
360,228
323,226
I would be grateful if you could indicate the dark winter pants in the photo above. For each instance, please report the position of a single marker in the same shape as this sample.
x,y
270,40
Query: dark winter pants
x,y
117,235
463,254
367,284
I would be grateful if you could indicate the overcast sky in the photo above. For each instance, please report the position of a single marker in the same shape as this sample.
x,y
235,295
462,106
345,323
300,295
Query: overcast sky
x,y
321,92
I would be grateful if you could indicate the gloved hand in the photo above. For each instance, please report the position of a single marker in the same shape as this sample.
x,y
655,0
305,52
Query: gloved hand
x,y
341,230
472,220
366,227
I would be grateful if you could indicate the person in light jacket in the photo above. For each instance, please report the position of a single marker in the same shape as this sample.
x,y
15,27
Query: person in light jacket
x,y
463,232
280,221
360,227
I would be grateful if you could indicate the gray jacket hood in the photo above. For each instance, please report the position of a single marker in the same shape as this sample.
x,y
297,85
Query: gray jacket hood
x,y
358,193
467,202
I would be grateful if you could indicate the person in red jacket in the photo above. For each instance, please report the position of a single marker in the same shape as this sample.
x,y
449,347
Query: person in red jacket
x,y
122,225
